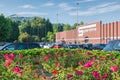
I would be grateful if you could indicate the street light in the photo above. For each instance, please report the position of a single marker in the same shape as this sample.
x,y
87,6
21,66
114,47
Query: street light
x,y
57,26
57,17
77,12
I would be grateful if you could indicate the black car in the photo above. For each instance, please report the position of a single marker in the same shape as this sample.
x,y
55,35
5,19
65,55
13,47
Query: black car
x,y
71,46
87,46
19,46
113,45
99,46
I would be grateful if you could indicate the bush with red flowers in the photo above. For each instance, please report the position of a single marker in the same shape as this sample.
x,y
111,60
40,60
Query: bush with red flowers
x,y
59,64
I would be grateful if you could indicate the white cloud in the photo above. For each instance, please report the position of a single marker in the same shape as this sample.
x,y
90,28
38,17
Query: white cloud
x,y
32,13
65,6
48,4
27,6
103,8
83,1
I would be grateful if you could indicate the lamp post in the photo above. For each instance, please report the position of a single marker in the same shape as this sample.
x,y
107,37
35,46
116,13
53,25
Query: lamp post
x,y
57,17
57,25
77,12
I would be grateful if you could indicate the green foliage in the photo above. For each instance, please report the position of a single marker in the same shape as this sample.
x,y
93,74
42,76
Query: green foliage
x,y
74,26
81,23
24,37
57,28
14,33
50,36
5,28
67,27
62,64
36,27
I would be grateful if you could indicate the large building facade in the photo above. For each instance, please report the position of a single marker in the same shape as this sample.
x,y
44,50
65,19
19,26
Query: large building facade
x,y
95,32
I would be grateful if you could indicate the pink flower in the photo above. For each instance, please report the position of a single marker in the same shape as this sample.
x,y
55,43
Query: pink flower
x,y
18,63
7,63
69,76
96,74
12,55
58,64
45,58
80,63
9,56
110,54
79,72
105,76
17,70
114,68
113,59
21,56
88,64
89,53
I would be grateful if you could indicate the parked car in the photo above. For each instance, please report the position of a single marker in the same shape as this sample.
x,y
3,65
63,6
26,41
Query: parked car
x,y
80,46
99,46
57,45
49,45
87,46
20,46
3,43
113,45
71,46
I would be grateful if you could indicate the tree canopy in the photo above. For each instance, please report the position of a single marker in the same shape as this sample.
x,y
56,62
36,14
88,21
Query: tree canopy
x,y
36,27
5,28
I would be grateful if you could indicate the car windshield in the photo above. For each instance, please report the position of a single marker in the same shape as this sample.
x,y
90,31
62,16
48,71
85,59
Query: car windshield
x,y
110,46
117,45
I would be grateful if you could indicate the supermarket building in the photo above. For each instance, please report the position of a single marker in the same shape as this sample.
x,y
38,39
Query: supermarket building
x,y
95,32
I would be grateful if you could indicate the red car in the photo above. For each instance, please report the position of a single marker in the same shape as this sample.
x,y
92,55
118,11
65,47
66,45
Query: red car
x,y
57,45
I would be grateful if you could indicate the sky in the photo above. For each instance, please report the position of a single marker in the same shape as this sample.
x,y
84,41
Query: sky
x,y
64,11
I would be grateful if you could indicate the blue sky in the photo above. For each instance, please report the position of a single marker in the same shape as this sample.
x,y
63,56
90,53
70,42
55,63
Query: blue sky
x,y
68,11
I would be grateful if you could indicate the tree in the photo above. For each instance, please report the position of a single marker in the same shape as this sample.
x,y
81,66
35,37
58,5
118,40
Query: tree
x,y
67,27
81,23
14,33
74,26
51,36
36,27
24,37
5,28
34,38
48,26
57,27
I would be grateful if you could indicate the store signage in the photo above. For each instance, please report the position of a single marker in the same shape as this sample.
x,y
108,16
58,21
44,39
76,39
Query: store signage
x,y
84,29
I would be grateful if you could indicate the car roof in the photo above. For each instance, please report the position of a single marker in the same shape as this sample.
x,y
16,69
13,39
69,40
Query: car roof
x,y
18,43
5,45
114,40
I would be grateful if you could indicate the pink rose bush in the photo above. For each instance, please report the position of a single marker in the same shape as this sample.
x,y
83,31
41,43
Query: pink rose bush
x,y
88,65
60,64
114,68
96,74
7,63
17,70
79,72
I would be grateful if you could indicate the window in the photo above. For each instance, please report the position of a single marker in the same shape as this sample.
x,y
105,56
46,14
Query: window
x,y
21,46
10,47
117,45
31,46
